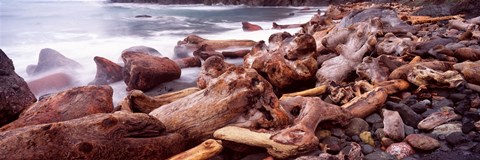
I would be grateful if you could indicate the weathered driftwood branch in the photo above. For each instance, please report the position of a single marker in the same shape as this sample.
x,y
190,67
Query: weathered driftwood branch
x,y
137,101
309,92
423,76
313,111
367,103
350,44
211,69
426,19
218,44
286,60
294,140
258,139
403,71
239,96
99,136
204,151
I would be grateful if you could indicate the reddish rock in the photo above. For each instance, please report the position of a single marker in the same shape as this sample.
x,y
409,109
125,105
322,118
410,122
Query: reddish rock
x,y
51,83
67,105
422,142
14,92
107,72
189,62
438,118
470,71
143,71
143,49
101,136
50,60
212,68
393,125
246,26
400,150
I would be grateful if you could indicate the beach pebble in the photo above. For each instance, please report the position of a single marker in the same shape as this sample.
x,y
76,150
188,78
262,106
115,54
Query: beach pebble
x,y
447,129
366,149
366,137
456,138
393,125
439,102
373,118
409,116
438,118
400,150
333,144
356,126
422,142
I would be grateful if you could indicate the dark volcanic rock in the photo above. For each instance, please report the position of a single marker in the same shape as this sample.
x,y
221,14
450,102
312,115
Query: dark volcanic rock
x,y
456,138
380,155
50,60
14,92
356,126
408,115
420,106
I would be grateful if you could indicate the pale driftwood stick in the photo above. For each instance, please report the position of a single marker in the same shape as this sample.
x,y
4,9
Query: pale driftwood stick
x,y
204,151
423,19
252,138
367,103
309,92
473,87
137,100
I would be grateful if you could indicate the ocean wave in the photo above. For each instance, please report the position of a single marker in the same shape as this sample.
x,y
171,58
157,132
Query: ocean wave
x,y
196,7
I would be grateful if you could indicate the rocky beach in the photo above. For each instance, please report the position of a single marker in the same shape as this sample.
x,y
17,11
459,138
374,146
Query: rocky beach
x,y
358,80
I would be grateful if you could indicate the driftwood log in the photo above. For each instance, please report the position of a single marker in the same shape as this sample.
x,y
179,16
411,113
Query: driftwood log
x,y
239,96
137,101
100,136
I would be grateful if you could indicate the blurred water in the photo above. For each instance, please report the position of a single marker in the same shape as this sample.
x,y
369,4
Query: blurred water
x,y
82,29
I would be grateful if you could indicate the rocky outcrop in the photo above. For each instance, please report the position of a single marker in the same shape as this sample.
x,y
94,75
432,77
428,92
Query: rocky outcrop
x,y
15,95
50,60
107,72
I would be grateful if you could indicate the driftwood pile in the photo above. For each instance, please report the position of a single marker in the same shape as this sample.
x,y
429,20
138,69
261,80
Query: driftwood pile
x,y
361,81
